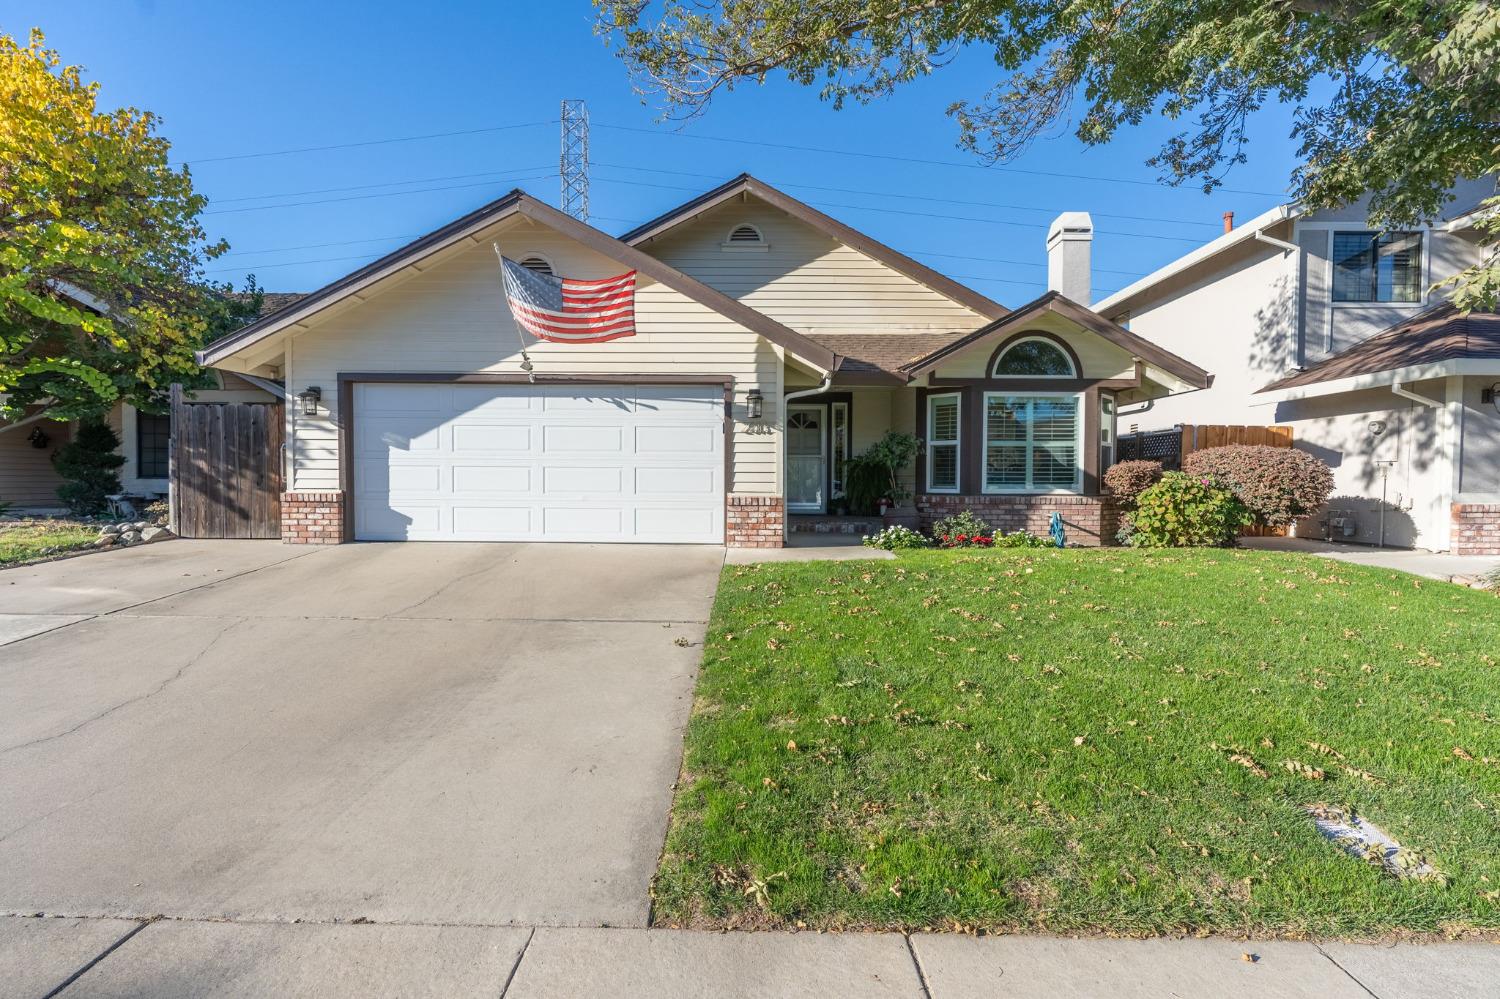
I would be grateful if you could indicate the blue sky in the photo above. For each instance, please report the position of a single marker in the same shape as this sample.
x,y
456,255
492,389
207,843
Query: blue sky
x,y
233,82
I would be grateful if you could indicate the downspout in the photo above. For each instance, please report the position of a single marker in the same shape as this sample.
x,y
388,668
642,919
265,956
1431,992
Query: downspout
x,y
1406,393
786,516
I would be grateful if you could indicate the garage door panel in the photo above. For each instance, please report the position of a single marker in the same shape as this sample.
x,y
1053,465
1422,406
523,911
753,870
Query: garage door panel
x,y
469,478
543,463
469,438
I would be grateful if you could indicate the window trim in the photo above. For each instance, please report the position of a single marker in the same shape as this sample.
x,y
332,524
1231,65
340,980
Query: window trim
x,y
957,443
836,483
1423,268
1080,422
1011,344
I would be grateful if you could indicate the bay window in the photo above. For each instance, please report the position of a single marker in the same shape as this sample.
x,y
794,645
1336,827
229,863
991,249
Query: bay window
x,y
1031,442
942,442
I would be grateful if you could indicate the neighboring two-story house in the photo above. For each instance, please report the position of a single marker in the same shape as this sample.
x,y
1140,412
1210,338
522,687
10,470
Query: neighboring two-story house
x,y
1312,320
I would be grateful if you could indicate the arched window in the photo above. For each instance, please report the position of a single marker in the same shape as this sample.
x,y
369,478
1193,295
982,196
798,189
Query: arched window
x,y
537,262
745,236
1034,357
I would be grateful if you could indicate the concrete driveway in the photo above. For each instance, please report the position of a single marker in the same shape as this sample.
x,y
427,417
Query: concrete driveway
x,y
421,733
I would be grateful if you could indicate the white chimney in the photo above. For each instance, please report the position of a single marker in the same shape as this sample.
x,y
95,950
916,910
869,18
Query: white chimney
x,y
1069,269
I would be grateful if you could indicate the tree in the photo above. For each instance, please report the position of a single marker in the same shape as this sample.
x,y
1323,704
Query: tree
x,y
101,296
91,465
1392,97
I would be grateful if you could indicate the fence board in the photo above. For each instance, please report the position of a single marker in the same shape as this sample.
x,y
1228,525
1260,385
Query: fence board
x,y
226,469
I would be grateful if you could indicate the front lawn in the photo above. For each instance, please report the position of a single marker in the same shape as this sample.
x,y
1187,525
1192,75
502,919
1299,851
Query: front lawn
x,y
1116,741
22,540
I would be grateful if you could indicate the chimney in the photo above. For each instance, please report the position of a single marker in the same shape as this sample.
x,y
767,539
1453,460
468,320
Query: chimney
x,y
1069,243
1228,221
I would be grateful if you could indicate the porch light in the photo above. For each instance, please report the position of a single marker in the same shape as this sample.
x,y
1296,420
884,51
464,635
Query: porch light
x,y
309,398
753,403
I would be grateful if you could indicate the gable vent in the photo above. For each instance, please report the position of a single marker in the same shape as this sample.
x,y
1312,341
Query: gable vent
x,y
746,234
536,263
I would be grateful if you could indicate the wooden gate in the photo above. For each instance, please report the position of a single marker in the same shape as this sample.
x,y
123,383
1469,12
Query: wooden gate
x,y
226,468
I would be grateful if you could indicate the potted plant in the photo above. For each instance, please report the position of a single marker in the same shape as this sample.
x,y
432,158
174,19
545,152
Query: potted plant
x,y
874,485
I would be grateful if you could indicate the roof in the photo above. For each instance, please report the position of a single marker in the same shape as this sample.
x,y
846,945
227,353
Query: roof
x,y
517,202
894,259
1433,336
1087,318
879,357
1234,237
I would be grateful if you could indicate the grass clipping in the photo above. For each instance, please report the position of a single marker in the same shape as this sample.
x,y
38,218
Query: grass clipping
x,y
1366,841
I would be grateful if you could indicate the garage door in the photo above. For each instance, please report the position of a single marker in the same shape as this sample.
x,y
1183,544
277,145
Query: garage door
x,y
538,463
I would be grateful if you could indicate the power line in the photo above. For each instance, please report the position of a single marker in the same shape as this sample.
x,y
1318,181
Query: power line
x,y
920,197
369,142
319,246
913,159
389,183
289,263
364,197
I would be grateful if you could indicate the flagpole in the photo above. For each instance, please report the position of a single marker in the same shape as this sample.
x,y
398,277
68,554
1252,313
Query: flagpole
x,y
526,365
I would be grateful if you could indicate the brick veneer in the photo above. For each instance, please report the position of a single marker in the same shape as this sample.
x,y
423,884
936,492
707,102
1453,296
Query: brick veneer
x,y
1090,521
312,518
755,522
1476,529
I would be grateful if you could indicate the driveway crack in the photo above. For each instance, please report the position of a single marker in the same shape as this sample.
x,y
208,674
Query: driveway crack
x,y
449,585
181,671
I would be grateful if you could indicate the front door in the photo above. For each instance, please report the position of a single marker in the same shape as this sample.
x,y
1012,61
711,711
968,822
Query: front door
x,y
806,459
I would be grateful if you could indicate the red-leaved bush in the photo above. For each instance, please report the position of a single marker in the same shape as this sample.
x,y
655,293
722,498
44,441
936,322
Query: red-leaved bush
x,y
1128,479
1277,484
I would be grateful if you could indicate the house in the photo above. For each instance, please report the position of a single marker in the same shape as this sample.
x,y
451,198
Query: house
x,y
28,480
772,343
1314,321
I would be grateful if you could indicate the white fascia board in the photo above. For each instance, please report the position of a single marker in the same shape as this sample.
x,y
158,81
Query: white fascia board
x,y
1234,237
1382,379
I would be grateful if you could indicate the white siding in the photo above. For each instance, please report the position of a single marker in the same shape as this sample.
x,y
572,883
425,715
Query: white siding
x,y
805,279
453,318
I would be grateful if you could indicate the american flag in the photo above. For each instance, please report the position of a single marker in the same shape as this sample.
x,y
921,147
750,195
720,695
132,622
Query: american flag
x,y
570,310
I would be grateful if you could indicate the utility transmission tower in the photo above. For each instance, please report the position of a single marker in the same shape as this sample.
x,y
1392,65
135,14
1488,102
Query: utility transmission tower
x,y
574,162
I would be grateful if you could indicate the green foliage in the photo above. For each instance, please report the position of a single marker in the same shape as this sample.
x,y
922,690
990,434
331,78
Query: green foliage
x,y
100,247
873,474
91,466
1022,539
1185,511
1277,484
895,538
1126,480
961,530
1090,741
1396,98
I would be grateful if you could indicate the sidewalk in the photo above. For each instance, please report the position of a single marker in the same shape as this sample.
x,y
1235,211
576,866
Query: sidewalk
x,y
167,959
1433,565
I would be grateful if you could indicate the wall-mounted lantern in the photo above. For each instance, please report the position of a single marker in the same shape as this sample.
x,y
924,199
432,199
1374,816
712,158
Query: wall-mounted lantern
x,y
1377,428
308,399
754,403
37,438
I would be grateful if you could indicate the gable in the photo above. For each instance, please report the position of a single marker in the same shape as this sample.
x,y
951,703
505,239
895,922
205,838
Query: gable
x,y
1098,358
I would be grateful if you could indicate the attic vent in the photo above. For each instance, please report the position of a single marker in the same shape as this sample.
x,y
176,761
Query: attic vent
x,y
535,262
745,234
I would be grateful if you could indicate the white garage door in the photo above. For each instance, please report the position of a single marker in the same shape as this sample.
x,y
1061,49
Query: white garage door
x,y
538,463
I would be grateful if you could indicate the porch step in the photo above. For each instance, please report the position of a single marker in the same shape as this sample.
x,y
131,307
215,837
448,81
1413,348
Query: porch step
x,y
833,525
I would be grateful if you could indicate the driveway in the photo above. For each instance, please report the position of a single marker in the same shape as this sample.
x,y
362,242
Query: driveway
x,y
419,733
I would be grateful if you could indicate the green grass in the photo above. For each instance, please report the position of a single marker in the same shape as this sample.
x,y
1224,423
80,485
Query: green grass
x,y
22,540
1043,740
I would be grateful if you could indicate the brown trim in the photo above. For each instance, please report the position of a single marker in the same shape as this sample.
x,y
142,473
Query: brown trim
x,y
1017,384
1052,338
1086,318
518,202
853,238
348,379
826,400
966,462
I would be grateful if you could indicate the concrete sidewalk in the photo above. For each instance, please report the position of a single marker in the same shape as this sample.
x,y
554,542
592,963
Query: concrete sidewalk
x,y
165,959
1434,565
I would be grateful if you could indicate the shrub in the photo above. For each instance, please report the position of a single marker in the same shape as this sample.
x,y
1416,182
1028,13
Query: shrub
x,y
1022,539
1128,479
961,530
895,538
875,473
1186,511
1277,484
91,466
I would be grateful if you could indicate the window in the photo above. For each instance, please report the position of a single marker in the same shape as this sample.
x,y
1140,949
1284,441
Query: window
x,y
153,435
942,443
1377,267
1031,443
536,262
839,414
1106,432
1034,358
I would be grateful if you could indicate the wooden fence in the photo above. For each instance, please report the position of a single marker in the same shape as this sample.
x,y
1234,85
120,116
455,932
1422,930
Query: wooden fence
x,y
226,469
1198,438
